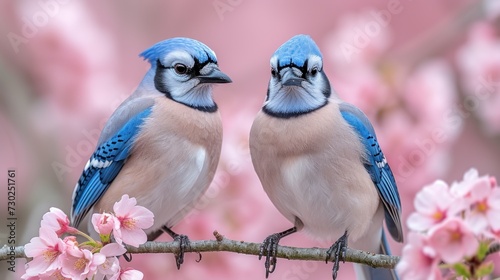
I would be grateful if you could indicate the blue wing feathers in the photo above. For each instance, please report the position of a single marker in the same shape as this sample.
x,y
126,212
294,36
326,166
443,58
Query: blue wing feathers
x,y
104,165
378,168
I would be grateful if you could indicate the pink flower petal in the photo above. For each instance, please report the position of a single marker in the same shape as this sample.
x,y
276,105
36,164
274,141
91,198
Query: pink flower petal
x,y
56,220
45,251
134,237
433,204
419,222
122,207
113,249
453,240
131,274
144,217
132,220
418,260
105,223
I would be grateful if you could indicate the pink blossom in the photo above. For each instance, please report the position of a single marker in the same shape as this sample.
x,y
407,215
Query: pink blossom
x,y
111,265
433,204
80,263
479,63
113,249
493,182
493,233
418,260
105,223
365,88
464,187
485,206
56,220
109,268
26,277
70,241
56,274
428,92
483,198
50,275
128,274
46,252
133,219
453,240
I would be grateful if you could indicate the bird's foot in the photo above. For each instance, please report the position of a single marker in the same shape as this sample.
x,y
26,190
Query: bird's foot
x,y
184,244
128,257
269,248
338,250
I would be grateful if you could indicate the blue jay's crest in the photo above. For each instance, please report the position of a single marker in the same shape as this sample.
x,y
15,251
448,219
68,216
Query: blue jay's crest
x,y
198,50
296,51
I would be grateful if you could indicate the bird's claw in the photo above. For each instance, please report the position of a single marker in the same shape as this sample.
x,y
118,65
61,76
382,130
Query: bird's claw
x,y
338,250
127,256
184,244
270,248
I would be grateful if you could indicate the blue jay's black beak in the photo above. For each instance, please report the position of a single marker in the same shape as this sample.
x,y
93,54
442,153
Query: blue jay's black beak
x,y
215,77
295,81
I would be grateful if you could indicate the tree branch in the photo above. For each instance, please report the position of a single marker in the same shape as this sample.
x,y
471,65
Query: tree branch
x,y
222,244
292,253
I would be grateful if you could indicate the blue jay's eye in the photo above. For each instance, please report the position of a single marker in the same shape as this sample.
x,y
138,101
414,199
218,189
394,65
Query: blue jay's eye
x,y
273,72
314,71
180,69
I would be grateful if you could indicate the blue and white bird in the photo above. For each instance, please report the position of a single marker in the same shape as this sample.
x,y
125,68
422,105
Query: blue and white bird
x,y
319,161
162,144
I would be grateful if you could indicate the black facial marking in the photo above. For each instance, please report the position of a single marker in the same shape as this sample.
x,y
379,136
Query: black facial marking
x,y
327,88
302,68
208,109
198,65
289,115
161,87
267,94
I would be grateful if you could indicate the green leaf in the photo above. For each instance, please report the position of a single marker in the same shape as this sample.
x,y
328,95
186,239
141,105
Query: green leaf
x,y
462,270
484,269
482,251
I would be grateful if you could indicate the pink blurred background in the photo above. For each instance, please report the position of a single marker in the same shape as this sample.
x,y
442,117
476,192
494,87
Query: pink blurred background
x,y
427,74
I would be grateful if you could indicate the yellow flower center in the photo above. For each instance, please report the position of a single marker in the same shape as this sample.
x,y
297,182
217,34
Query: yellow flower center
x,y
80,264
482,206
455,236
58,276
105,265
50,255
129,223
438,215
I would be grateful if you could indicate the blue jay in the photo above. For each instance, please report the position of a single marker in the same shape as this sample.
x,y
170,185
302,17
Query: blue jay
x,y
319,161
162,144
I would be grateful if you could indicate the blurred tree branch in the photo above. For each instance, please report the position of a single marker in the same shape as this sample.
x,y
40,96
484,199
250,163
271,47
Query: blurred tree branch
x,y
441,37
